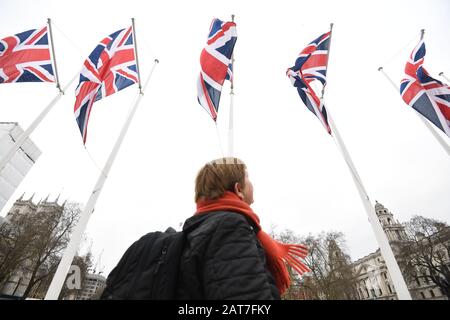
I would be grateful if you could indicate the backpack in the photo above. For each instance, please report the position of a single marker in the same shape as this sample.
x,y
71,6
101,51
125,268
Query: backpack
x,y
148,270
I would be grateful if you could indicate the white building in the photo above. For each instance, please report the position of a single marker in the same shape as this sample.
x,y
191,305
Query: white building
x,y
24,158
372,277
92,283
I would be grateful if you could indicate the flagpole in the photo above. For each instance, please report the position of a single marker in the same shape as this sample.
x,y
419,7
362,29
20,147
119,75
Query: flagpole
x,y
443,76
24,136
53,52
427,124
328,56
136,54
64,265
385,248
230,124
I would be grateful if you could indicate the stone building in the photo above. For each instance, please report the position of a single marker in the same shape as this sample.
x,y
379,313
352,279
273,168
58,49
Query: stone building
x,y
18,282
372,277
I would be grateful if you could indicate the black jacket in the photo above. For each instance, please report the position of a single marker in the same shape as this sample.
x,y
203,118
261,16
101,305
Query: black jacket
x,y
223,259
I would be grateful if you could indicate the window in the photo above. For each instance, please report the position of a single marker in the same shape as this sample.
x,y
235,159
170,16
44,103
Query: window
x,y
422,294
384,275
389,287
380,292
432,293
417,281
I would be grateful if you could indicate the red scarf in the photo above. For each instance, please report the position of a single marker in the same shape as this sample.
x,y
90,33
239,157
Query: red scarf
x,y
277,253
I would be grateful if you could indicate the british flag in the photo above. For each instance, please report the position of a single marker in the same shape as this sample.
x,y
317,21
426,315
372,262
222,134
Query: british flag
x,y
215,61
111,67
311,64
25,57
426,95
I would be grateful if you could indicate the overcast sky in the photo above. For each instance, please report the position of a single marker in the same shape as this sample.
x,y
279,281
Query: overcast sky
x,y
300,179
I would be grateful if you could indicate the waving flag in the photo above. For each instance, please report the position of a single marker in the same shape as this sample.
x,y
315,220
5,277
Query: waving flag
x,y
426,95
311,64
111,67
215,61
25,57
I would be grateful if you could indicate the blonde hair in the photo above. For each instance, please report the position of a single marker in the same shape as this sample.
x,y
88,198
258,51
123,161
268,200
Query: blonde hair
x,y
218,176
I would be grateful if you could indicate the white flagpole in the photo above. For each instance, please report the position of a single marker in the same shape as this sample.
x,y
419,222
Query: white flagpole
x,y
49,23
425,121
230,124
443,76
385,248
69,253
136,54
24,136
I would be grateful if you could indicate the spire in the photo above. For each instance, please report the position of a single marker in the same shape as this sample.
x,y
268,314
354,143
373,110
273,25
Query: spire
x,y
31,199
21,197
57,198
46,198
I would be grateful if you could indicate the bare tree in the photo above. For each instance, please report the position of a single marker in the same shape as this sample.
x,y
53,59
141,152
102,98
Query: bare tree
x,y
34,242
16,239
331,275
425,255
52,236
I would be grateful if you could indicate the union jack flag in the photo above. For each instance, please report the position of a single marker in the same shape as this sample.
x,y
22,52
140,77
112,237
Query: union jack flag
x,y
311,64
215,61
111,67
25,57
426,95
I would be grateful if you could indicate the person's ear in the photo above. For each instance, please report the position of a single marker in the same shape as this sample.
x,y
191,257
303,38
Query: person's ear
x,y
238,191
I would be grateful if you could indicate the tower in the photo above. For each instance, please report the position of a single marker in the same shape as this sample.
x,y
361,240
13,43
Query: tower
x,y
393,229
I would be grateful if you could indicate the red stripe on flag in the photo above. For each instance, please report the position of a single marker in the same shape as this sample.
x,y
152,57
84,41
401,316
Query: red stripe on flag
x,y
214,68
219,34
318,60
125,37
445,110
36,36
40,74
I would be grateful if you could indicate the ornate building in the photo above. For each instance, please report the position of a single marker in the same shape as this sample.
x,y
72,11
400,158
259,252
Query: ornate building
x,y
18,282
372,277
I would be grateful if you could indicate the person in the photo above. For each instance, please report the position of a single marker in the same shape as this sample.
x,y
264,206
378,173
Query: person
x,y
227,255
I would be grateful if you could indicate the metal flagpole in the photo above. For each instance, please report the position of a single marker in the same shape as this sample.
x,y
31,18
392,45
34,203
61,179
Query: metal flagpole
x,y
24,136
230,124
427,124
136,54
64,266
385,248
49,22
443,76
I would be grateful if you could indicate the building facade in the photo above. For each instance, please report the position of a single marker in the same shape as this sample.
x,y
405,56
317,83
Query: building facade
x,y
17,168
372,277
19,281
